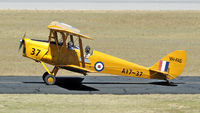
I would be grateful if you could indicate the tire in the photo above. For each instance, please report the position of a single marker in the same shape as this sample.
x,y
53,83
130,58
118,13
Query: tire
x,y
44,75
50,79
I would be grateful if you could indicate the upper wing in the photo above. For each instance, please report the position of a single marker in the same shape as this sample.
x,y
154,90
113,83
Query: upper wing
x,y
58,26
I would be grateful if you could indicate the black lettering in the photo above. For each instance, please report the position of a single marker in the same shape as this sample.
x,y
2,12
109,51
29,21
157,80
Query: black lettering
x,y
33,51
38,52
178,60
137,73
123,70
127,71
175,59
141,73
130,71
171,58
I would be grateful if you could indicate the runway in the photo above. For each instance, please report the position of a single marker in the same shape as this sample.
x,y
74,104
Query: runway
x,y
98,85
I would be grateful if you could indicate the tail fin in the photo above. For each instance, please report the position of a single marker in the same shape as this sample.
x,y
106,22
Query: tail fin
x,y
173,64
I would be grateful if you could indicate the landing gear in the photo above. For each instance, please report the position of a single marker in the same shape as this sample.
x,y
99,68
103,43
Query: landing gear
x,y
50,79
44,75
170,83
167,82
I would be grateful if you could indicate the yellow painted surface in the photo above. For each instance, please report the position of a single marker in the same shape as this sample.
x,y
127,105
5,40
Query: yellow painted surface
x,y
45,68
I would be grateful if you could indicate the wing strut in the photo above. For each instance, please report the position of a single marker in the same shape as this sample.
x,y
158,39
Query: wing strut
x,y
71,38
82,54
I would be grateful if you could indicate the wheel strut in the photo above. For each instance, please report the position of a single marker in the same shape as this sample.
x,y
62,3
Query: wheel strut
x,y
49,77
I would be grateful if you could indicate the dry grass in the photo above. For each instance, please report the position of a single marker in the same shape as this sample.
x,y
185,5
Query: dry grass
x,y
99,103
142,37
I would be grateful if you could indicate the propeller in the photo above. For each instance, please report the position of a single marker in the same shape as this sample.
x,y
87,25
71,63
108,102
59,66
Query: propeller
x,y
21,41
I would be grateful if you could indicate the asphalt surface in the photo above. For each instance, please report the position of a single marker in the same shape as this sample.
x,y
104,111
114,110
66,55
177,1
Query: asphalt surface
x,y
98,85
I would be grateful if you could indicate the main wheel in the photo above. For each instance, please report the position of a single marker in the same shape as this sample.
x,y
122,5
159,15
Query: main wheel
x,y
44,75
50,79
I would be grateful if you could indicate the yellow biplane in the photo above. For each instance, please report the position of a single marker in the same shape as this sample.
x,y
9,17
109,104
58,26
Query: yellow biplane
x,y
63,54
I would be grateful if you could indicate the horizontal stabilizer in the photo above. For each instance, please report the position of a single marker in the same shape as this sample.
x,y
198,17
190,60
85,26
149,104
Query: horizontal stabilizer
x,y
161,75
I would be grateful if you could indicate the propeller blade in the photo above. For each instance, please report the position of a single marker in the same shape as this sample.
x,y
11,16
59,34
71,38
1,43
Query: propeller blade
x,y
22,41
24,35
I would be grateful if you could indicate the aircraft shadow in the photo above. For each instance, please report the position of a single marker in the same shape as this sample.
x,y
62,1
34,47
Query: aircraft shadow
x,y
69,83
162,83
73,83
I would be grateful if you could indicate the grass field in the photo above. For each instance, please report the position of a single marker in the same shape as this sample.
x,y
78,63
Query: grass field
x,y
142,37
99,103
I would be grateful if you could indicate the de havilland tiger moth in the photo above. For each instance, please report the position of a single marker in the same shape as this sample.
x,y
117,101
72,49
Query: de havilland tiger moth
x,y
63,54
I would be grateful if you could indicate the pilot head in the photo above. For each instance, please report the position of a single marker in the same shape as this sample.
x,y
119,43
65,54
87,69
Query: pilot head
x,y
70,44
87,49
